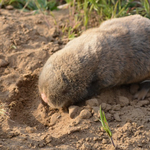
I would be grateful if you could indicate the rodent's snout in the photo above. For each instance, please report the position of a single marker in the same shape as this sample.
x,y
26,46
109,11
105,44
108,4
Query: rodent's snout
x,y
44,98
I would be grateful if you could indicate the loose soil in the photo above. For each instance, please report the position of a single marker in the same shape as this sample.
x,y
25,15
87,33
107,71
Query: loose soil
x,y
26,42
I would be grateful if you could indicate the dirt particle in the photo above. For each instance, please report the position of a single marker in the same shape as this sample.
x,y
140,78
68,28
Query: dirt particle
x,y
106,107
140,127
139,144
133,103
76,122
87,139
104,141
13,134
143,103
3,63
117,117
85,114
95,111
95,138
92,102
53,32
41,144
55,48
64,147
9,7
96,145
30,129
74,111
108,116
54,118
116,107
85,146
31,145
124,101
74,129
48,138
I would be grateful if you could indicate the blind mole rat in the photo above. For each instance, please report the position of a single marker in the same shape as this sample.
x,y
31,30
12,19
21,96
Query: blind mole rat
x,y
116,53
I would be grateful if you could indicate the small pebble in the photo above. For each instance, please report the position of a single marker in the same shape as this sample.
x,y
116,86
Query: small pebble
x,y
76,122
3,63
142,103
54,118
117,117
95,111
106,107
41,144
117,107
85,114
74,129
104,141
85,146
140,127
95,138
108,116
9,7
92,102
124,101
30,129
48,138
74,111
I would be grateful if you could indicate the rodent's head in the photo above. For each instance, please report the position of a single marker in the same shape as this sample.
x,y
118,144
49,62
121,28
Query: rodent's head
x,y
63,81
53,88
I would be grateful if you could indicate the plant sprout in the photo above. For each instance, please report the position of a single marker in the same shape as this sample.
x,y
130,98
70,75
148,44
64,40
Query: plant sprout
x,y
105,125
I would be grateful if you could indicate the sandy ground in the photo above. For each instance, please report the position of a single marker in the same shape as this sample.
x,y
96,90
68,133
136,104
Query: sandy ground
x,y
26,42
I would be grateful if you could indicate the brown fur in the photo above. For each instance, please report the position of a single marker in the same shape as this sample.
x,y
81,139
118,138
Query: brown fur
x,y
116,53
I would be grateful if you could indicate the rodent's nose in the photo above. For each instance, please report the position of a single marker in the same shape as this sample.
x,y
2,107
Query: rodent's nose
x,y
44,98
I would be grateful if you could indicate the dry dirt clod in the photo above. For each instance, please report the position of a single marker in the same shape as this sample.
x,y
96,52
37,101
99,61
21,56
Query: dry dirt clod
x,y
54,118
13,134
106,107
53,32
95,111
143,103
48,138
76,121
104,141
74,111
117,107
30,129
85,146
3,63
117,117
85,114
74,129
133,103
140,127
41,144
9,7
64,147
108,116
92,102
124,101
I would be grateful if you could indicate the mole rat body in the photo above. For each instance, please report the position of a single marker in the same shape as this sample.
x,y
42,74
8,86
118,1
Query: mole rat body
x,y
116,53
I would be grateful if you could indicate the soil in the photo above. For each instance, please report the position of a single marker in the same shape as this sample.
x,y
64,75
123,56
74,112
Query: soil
x,y
27,41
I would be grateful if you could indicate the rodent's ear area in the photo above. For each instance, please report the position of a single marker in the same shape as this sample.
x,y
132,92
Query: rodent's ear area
x,y
44,97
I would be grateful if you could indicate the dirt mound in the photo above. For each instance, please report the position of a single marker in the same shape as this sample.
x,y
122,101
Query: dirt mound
x,y
27,40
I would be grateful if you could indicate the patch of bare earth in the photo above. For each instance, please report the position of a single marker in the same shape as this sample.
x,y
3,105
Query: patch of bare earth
x,y
26,42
